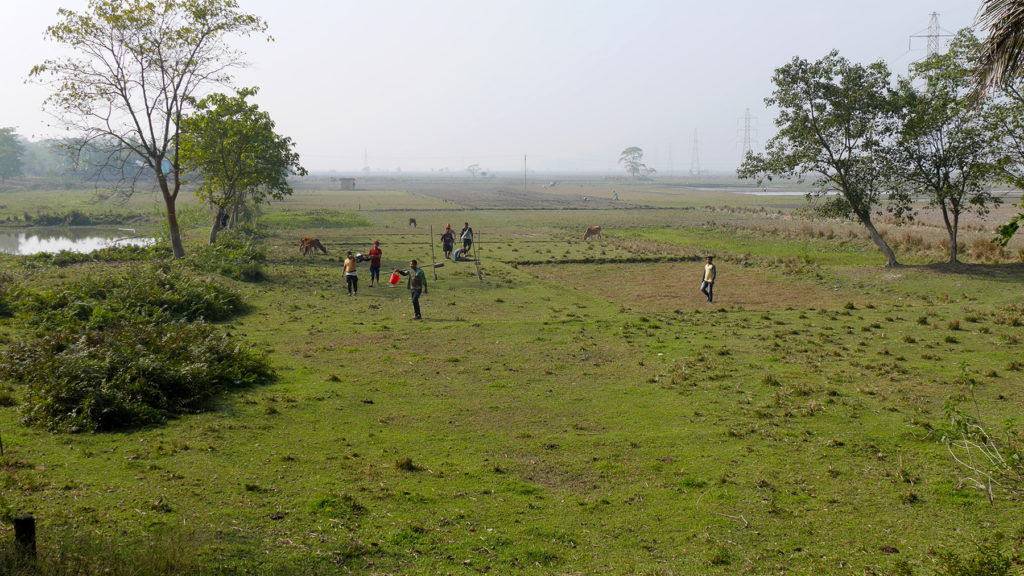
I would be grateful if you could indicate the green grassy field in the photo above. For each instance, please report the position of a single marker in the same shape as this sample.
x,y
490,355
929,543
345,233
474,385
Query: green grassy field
x,y
579,410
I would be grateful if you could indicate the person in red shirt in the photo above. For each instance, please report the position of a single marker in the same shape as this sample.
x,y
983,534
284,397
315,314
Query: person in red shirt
x,y
375,254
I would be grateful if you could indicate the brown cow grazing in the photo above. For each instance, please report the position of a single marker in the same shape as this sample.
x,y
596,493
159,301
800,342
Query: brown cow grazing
x,y
412,222
592,232
309,246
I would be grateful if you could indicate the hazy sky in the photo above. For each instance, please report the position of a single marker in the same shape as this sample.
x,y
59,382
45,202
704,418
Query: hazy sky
x,y
441,84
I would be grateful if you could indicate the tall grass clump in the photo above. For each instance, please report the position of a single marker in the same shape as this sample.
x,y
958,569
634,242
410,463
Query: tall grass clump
x,y
985,250
236,254
8,295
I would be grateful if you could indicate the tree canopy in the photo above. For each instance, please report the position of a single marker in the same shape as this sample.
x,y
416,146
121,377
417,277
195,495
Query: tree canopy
x,y
232,145
632,159
835,118
133,66
944,148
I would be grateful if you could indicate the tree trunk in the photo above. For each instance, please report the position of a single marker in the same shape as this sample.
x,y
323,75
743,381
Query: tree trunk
x,y
177,249
951,229
221,213
890,256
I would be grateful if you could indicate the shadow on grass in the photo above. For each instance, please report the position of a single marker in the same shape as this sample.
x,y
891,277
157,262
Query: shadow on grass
x,y
1001,272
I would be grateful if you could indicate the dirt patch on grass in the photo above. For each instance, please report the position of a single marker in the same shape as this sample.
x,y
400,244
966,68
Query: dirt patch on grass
x,y
669,286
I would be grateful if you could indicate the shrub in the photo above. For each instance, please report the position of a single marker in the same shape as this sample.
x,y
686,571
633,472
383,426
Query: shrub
x,y
76,218
236,255
127,349
128,373
155,291
125,253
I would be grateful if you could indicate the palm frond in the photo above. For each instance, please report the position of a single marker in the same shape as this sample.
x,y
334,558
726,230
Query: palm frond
x,y
1002,57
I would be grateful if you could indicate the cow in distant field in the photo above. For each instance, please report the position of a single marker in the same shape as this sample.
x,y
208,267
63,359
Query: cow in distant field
x,y
592,232
309,246
412,222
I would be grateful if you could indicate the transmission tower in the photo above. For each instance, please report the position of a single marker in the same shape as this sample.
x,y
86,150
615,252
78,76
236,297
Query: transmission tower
x,y
933,35
695,156
748,136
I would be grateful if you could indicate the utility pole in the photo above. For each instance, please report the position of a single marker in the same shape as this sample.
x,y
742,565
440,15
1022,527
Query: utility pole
x,y
524,172
695,155
747,129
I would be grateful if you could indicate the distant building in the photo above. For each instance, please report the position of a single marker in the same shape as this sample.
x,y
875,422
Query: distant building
x,y
346,183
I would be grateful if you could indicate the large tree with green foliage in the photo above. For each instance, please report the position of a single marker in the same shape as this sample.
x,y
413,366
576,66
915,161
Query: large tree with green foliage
x,y
133,67
836,120
232,145
12,153
632,159
1005,122
943,148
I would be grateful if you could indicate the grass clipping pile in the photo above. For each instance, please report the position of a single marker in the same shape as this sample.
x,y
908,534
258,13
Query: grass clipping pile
x,y
127,349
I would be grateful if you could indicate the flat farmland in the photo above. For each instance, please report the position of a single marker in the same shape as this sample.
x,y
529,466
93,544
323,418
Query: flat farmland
x,y
568,407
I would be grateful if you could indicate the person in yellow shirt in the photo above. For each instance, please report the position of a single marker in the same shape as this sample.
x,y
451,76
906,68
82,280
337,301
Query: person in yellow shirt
x,y
707,286
351,279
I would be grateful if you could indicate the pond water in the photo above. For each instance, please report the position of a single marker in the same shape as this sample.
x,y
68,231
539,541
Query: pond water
x,y
35,240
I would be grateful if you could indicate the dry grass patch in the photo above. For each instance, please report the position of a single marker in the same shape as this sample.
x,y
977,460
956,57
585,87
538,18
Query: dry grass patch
x,y
668,286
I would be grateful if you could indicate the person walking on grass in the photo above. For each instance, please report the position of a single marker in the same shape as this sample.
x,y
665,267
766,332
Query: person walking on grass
x,y
467,238
448,241
417,285
707,286
375,254
351,278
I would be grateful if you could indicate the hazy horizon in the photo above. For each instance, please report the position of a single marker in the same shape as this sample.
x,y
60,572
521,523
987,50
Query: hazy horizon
x,y
400,85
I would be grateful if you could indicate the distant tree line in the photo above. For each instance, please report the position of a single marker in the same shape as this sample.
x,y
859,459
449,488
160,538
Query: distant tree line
x,y
67,160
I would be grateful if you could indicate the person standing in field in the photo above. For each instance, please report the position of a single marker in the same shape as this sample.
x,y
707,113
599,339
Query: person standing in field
x,y
351,278
417,285
707,286
448,241
375,254
467,238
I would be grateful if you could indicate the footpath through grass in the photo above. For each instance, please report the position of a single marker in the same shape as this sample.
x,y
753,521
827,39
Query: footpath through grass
x,y
593,417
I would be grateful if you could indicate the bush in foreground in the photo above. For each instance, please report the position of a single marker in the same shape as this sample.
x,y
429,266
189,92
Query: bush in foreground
x,y
127,374
127,348
156,291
